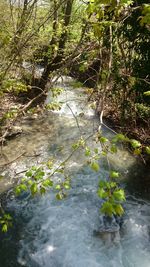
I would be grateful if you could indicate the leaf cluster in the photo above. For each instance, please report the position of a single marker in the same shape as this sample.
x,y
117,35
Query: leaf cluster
x,y
5,222
112,195
53,106
35,180
14,85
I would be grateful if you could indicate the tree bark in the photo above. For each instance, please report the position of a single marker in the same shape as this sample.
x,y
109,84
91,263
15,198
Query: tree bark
x,y
57,61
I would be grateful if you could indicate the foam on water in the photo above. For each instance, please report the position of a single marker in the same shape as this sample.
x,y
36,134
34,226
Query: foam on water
x,y
62,233
52,233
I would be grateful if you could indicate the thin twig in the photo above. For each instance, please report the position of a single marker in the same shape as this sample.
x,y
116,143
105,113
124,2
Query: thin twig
x,y
74,117
11,161
17,173
32,156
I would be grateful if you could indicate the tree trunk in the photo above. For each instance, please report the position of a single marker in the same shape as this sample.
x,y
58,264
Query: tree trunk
x,y
57,61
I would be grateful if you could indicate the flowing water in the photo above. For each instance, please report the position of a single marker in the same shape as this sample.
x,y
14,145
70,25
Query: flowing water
x,y
52,233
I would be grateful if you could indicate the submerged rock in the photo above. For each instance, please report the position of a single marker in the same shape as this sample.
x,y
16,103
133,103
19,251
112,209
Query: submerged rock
x,y
108,237
109,230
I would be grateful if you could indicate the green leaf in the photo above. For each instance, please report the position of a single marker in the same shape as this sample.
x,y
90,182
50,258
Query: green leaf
x,y
34,189
81,142
137,151
104,153
119,195
113,149
135,143
20,188
121,137
17,190
4,228
67,185
42,190
59,196
114,174
33,168
39,175
29,173
53,106
58,187
23,180
49,164
7,217
96,150
23,187
147,148
114,140
60,170
94,166
47,183
102,184
119,209
107,208
102,193
30,182
75,146
147,93
103,139
87,151
112,184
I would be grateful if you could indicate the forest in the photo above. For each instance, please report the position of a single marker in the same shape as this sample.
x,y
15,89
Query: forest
x,y
104,44
103,48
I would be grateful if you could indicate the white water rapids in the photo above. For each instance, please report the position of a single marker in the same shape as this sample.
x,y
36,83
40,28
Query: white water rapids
x,y
52,233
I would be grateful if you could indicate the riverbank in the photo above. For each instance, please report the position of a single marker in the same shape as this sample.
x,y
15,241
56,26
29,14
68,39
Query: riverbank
x,y
120,109
10,104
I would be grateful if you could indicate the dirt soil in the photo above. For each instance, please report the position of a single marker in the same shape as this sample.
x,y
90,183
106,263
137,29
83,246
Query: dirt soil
x,y
7,102
139,131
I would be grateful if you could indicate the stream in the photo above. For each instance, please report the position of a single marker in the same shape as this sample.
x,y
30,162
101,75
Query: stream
x,y
50,233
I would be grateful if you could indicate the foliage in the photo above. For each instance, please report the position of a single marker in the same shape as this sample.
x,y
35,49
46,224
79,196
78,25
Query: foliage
x,y
56,91
145,19
143,110
38,180
132,54
14,85
5,222
53,106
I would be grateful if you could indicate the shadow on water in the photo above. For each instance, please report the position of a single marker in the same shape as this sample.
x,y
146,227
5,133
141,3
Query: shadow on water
x,y
138,181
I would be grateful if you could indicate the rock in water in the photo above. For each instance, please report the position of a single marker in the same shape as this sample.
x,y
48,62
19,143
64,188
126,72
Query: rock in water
x,y
108,230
